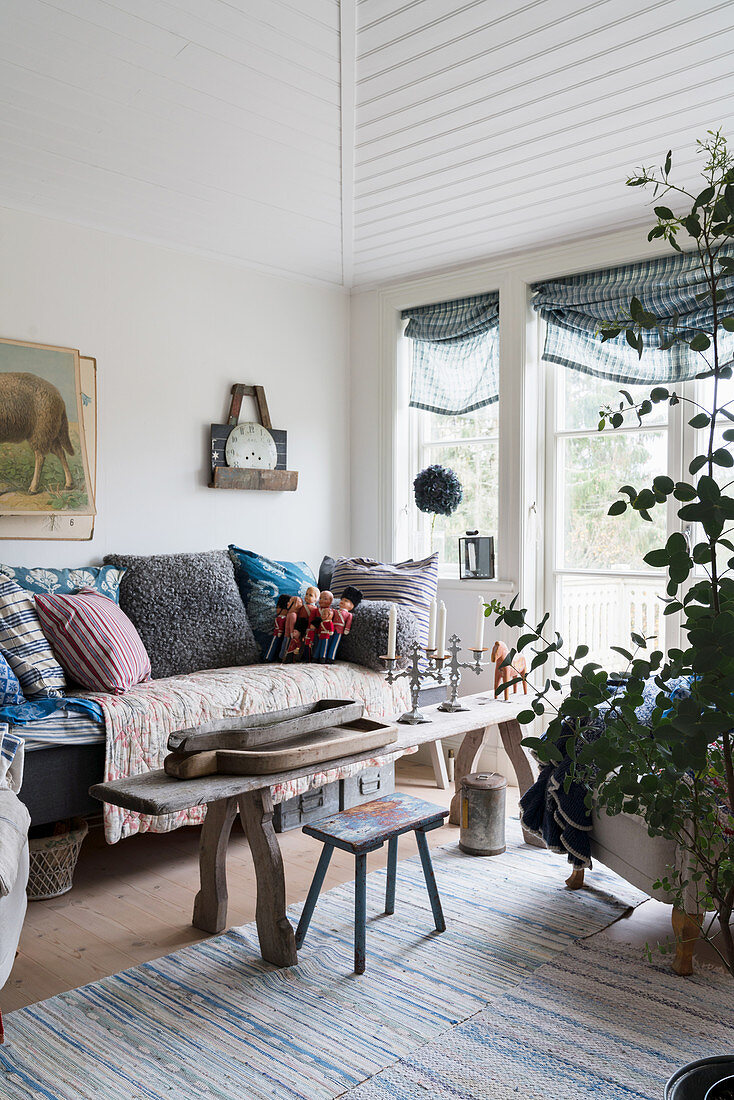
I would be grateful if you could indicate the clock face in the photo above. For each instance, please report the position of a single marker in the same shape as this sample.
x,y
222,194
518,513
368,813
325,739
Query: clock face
x,y
250,446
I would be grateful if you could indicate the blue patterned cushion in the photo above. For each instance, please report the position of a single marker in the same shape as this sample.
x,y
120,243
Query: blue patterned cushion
x,y
10,693
104,579
261,580
25,645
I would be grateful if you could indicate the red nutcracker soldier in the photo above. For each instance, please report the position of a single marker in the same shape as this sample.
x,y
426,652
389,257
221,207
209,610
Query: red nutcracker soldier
x,y
350,598
324,631
295,646
309,639
273,653
295,605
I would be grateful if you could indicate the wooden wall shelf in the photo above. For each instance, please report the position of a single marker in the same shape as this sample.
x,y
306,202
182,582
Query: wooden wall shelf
x,y
277,481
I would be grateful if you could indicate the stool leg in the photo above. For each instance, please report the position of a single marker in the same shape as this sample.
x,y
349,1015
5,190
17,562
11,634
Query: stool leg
x,y
360,911
313,893
430,878
392,868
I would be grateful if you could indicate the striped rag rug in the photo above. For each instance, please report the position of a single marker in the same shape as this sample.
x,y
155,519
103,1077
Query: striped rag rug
x,y
600,1020
213,1020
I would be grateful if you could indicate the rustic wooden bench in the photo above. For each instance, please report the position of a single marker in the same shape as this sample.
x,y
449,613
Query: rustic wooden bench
x,y
226,795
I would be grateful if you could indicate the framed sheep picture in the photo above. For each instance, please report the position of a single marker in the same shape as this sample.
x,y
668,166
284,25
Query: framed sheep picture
x,y
44,466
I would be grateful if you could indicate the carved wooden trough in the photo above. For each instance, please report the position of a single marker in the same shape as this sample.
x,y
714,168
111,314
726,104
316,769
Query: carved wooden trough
x,y
277,742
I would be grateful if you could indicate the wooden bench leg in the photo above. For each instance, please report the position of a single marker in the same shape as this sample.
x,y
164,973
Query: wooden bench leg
x,y
360,912
392,870
438,761
466,760
313,893
430,878
277,939
687,929
210,904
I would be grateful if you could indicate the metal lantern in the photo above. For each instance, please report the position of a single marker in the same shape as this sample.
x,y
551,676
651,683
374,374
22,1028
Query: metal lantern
x,y
476,557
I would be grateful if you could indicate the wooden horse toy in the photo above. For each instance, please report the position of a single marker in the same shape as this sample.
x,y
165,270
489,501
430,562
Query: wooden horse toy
x,y
509,672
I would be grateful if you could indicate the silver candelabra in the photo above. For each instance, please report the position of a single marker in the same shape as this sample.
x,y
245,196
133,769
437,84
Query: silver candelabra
x,y
426,664
451,705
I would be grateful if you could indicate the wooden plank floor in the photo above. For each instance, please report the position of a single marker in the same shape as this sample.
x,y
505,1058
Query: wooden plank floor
x,y
132,902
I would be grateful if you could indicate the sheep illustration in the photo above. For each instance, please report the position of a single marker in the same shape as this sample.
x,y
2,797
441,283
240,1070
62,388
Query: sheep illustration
x,y
32,409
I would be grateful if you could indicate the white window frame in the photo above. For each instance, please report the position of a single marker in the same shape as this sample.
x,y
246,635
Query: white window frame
x,y
680,439
419,452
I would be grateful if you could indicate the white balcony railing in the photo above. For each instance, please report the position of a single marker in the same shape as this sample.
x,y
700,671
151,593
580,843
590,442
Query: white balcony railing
x,y
600,612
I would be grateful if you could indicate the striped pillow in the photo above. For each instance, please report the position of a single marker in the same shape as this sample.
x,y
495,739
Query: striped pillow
x,y
413,584
94,640
24,645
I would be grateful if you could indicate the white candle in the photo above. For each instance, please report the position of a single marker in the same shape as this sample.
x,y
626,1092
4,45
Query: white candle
x,y
392,630
479,632
432,623
441,630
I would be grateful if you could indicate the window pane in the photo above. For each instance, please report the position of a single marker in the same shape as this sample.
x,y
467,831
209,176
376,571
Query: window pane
x,y
592,469
484,422
475,464
600,613
580,396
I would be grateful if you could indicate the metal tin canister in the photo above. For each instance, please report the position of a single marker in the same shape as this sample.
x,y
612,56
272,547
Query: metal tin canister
x,y
483,799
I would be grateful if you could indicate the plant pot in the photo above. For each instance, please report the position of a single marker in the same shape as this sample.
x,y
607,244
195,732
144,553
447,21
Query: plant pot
x,y
697,1080
722,1090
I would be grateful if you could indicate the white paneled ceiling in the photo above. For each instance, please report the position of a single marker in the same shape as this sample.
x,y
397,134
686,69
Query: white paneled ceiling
x,y
353,142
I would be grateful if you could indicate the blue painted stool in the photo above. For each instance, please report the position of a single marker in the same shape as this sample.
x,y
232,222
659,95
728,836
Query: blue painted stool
x,y
364,829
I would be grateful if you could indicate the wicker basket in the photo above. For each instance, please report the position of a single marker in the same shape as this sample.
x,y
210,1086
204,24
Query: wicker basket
x,y
53,862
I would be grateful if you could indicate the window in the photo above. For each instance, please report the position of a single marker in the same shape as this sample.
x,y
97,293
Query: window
x,y
599,586
469,445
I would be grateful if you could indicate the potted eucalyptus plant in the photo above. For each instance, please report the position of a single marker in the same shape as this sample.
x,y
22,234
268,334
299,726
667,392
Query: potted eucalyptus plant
x,y
678,774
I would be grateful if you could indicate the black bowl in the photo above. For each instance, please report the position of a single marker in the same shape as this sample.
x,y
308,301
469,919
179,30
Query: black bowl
x,y
722,1090
694,1081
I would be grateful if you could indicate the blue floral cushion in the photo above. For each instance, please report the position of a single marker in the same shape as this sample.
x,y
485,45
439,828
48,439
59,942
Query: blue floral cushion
x,y
10,693
104,579
260,581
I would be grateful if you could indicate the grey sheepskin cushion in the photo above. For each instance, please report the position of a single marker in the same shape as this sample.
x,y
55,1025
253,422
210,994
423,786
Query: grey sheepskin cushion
x,y
187,609
367,640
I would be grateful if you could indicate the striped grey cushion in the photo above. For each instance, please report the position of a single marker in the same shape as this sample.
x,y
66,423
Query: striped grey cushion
x,y
24,644
413,584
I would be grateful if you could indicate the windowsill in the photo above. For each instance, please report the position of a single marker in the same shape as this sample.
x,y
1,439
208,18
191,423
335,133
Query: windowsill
x,y
451,581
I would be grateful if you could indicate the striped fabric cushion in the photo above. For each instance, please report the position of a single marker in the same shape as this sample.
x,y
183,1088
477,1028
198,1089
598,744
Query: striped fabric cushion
x,y
94,640
410,583
24,645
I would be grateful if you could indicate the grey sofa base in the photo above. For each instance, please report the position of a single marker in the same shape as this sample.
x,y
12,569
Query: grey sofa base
x,y
56,782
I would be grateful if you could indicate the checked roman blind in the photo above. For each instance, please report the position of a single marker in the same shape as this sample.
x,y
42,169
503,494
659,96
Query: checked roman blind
x,y
575,306
455,360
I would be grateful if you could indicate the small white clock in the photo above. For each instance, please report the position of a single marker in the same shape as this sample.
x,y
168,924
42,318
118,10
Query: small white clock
x,y
250,446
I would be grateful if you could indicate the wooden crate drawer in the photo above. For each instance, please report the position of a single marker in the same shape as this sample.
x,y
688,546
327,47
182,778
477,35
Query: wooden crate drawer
x,y
366,785
306,808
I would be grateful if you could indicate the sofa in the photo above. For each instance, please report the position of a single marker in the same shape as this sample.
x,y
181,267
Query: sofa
x,y
192,613
14,822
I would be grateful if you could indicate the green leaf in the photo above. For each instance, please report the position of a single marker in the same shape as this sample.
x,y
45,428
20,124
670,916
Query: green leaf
x,y
705,196
657,558
700,342
728,322
700,420
722,457
617,508
698,463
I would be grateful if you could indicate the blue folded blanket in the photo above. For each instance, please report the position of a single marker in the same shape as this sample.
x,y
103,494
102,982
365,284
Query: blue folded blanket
x,y
561,817
23,713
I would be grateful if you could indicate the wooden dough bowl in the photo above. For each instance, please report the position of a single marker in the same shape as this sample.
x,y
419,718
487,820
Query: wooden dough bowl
x,y
330,743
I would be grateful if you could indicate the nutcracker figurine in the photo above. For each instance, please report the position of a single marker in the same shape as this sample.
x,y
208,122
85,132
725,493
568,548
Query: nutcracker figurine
x,y
350,598
273,653
293,610
295,646
324,632
309,639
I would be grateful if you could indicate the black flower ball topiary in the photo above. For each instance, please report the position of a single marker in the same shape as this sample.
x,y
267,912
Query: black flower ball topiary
x,y
438,490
